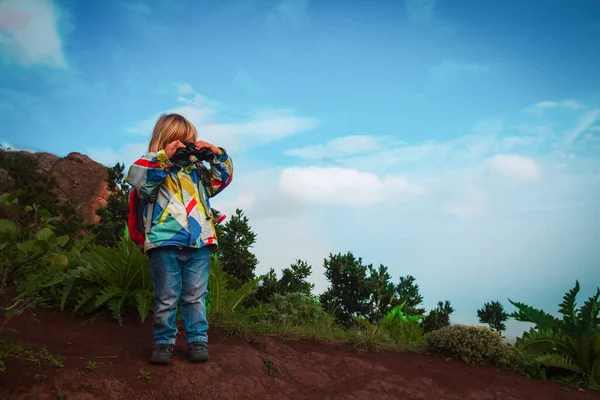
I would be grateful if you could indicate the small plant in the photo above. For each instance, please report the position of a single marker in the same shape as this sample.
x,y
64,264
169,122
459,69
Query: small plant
x,y
61,396
476,345
144,375
403,329
48,358
92,365
269,366
371,337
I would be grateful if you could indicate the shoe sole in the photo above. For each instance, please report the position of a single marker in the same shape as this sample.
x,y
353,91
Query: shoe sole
x,y
196,359
160,361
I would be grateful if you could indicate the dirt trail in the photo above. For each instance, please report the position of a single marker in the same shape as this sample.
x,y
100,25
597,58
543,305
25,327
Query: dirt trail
x,y
301,369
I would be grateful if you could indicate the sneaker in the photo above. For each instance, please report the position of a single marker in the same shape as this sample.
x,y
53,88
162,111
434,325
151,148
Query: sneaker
x,y
162,354
198,351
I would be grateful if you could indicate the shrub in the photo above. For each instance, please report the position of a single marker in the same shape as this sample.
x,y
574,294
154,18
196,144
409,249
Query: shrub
x,y
476,345
297,310
28,243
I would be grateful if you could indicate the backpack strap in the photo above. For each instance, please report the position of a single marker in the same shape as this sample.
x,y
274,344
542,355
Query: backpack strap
x,y
150,210
204,187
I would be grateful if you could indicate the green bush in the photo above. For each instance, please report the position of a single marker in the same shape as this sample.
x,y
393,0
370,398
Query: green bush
x,y
404,330
297,310
476,345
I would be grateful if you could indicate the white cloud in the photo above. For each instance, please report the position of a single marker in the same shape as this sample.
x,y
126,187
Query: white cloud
x,y
341,147
256,129
516,167
467,201
344,186
185,88
540,107
7,146
584,123
29,32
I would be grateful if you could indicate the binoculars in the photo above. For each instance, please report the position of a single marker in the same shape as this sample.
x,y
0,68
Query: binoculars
x,y
184,154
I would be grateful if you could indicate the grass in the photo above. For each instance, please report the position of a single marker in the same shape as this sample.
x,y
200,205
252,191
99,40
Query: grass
x,y
10,348
92,365
269,366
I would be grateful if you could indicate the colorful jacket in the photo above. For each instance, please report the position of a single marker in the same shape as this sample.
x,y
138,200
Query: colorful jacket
x,y
181,215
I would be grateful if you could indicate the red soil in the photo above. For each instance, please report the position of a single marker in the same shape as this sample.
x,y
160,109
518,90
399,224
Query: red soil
x,y
304,369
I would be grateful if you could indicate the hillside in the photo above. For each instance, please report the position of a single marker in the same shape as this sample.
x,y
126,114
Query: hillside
x,y
263,367
75,179
102,352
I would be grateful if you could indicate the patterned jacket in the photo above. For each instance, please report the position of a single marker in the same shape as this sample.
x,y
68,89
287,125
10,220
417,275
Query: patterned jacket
x,y
181,215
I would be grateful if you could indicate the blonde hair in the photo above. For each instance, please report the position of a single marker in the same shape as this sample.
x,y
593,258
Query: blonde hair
x,y
169,128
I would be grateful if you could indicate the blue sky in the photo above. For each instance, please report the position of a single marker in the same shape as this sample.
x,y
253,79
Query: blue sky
x,y
455,141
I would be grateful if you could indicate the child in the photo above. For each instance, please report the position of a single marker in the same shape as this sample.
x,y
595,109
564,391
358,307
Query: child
x,y
181,233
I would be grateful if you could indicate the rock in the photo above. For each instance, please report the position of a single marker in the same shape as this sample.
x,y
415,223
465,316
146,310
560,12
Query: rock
x,y
81,181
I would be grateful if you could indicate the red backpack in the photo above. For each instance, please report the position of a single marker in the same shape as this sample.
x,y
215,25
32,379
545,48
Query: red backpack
x,y
135,220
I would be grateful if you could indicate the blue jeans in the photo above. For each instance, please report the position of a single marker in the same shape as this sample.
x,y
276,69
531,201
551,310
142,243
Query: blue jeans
x,y
179,273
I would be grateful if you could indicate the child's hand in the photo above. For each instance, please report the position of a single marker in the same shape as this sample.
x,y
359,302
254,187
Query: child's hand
x,y
172,148
202,144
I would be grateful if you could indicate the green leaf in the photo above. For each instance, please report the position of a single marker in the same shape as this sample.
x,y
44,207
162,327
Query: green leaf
x,y
85,296
541,319
107,295
44,214
568,306
559,361
44,234
60,262
143,299
62,240
66,292
8,227
588,313
27,246
55,281
116,305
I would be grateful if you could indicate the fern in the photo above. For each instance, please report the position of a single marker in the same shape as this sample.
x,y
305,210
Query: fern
x,y
106,279
108,294
588,313
571,343
224,302
143,298
86,295
559,361
526,313
568,306
116,306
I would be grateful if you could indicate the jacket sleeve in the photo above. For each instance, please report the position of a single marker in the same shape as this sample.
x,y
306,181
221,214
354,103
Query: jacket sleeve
x,y
221,171
148,172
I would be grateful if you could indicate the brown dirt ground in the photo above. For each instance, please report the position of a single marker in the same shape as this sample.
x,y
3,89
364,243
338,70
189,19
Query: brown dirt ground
x,y
303,369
